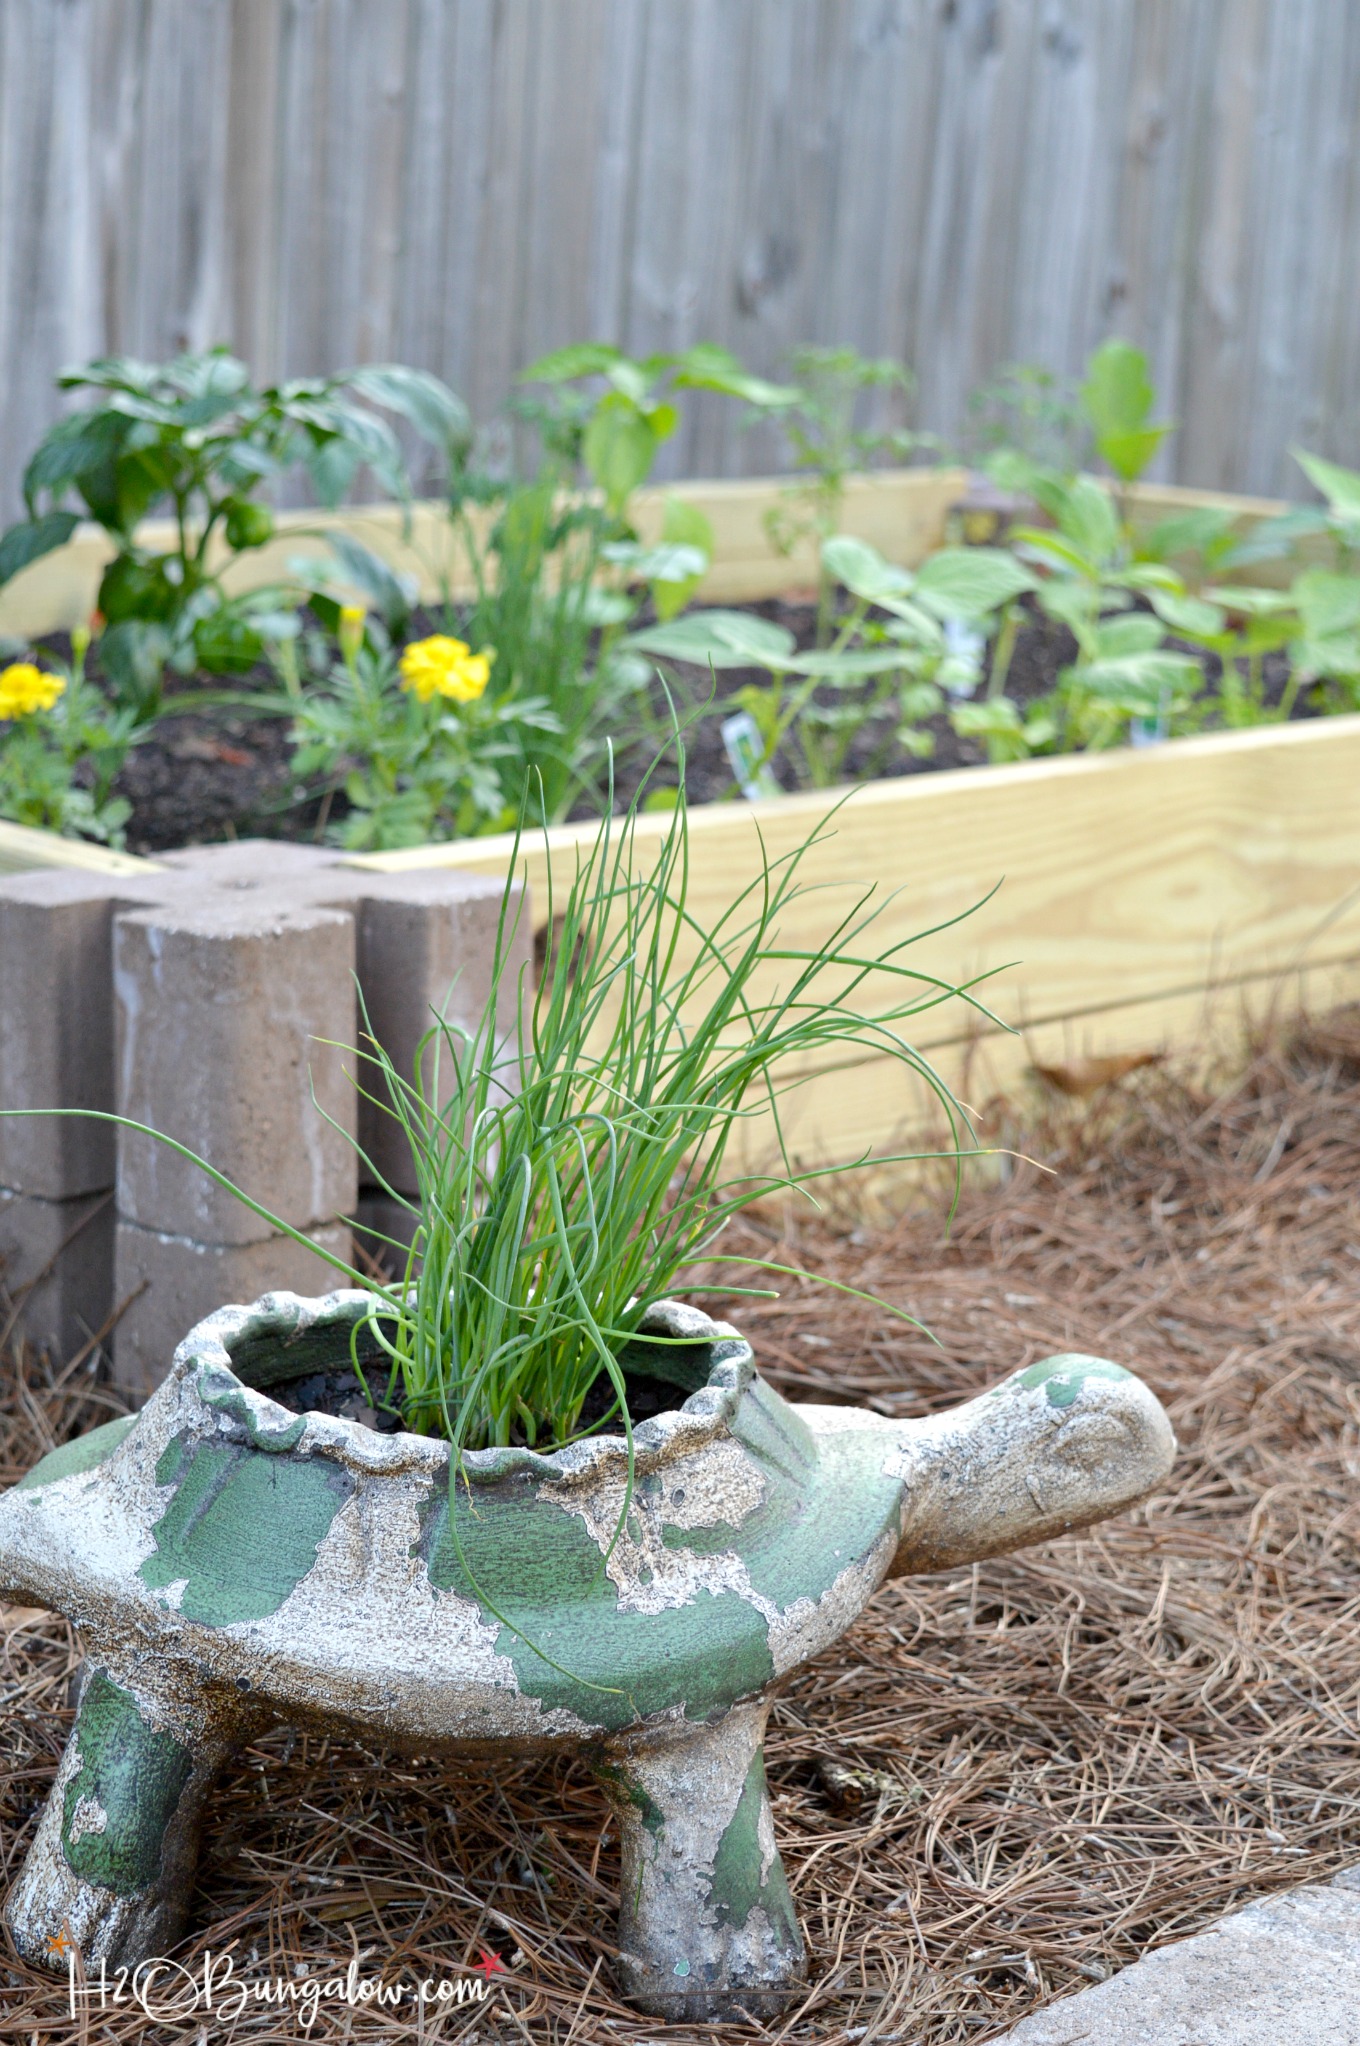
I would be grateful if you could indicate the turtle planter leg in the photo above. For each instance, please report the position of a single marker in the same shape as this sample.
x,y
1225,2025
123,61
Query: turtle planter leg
x,y
707,1928
111,1869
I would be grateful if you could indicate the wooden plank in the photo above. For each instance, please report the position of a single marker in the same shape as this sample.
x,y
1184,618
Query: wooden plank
x,y
1103,894
902,512
22,849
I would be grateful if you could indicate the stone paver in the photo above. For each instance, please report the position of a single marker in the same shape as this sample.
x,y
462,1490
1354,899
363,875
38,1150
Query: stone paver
x,y
198,996
1283,1972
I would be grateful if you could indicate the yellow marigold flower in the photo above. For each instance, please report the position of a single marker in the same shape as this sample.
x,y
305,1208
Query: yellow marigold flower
x,y
440,666
25,688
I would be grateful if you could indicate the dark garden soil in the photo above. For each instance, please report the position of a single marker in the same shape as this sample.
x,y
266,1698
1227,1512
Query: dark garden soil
x,y
343,1394
198,777
1004,1783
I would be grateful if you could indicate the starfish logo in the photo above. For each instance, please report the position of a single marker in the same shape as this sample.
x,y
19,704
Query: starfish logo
x,y
490,1964
61,1943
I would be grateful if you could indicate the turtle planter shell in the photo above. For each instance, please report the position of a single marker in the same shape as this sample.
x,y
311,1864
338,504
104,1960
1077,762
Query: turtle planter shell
x,y
232,1564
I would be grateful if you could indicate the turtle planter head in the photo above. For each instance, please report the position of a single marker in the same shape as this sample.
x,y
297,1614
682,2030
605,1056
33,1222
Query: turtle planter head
x,y
231,1564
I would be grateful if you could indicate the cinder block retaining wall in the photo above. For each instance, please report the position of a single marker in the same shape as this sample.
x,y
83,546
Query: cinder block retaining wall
x,y
211,998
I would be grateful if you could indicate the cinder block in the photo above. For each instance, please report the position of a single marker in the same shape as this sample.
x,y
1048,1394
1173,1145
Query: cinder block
x,y
56,1264
176,1282
427,944
56,1029
265,860
231,1023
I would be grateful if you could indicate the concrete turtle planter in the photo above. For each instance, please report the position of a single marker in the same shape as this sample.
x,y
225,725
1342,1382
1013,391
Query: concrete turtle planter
x,y
232,1564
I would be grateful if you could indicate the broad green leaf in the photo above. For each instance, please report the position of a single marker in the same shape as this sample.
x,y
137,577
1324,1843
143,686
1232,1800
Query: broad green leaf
x,y
1118,394
971,582
1128,454
564,365
81,442
722,639
1087,518
32,538
918,700
1340,487
1033,543
619,448
1118,398
1275,538
914,627
1246,601
436,412
1015,472
706,367
631,379
1138,682
333,465
685,524
663,419
390,595
133,655
1152,575
846,667
1134,633
1072,604
992,714
1327,602
1197,531
1196,617
1324,654
604,607
668,563
862,570
682,525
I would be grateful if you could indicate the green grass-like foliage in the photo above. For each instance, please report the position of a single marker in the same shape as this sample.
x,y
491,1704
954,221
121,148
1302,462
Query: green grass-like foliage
x,y
571,1167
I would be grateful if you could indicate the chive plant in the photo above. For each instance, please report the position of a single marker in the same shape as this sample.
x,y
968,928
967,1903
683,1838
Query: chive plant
x,y
570,1170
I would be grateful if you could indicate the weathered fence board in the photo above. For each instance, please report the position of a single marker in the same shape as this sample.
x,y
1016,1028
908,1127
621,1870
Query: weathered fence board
x,y
464,183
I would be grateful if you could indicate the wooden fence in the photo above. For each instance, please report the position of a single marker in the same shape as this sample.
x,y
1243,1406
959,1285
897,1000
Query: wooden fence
x,y
465,183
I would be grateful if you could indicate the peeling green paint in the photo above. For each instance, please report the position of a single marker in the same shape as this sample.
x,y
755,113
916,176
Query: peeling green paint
x,y
537,1570
85,1453
629,1790
736,1886
243,1527
220,1390
131,1775
1062,1377
809,1528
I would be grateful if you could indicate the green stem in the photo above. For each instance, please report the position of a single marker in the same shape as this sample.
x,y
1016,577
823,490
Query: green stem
x,y
1003,651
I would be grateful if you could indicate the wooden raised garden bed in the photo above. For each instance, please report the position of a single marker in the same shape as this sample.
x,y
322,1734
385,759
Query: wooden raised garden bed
x,y
1148,899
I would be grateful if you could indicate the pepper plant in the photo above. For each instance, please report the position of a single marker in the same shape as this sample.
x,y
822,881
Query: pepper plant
x,y
195,439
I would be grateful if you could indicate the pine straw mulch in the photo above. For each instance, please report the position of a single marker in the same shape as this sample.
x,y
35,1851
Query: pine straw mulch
x,y
1004,1783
